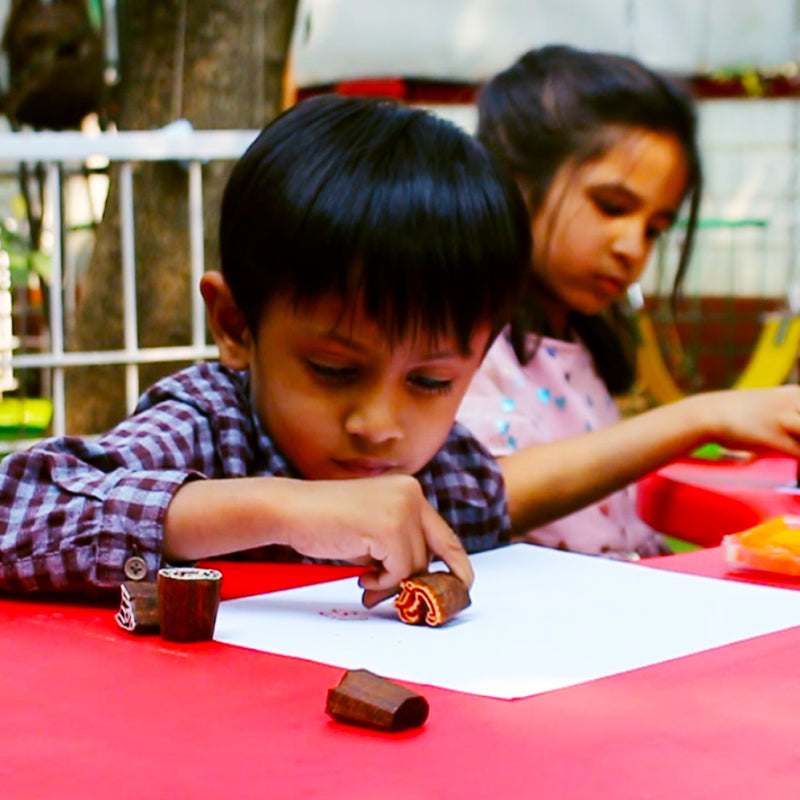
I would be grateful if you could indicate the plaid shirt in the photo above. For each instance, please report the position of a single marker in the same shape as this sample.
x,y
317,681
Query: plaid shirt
x,y
73,511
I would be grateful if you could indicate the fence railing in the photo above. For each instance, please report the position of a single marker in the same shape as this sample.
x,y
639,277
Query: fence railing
x,y
58,152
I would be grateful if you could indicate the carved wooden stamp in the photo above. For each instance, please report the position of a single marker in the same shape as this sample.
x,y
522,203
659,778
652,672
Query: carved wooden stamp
x,y
431,598
363,698
188,601
138,609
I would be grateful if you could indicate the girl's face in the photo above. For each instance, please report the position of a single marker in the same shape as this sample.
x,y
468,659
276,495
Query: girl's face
x,y
340,402
597,225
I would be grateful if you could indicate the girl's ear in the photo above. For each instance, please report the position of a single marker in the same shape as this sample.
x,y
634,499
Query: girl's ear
x,y
227,322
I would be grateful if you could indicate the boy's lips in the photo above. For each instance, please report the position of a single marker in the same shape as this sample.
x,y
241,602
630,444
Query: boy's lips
x,y
364,467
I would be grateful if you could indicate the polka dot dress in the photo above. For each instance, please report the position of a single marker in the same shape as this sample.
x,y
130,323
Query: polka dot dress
x,y
556,395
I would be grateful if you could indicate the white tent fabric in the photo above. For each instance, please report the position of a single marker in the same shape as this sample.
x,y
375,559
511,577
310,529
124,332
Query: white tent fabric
x,y
470,40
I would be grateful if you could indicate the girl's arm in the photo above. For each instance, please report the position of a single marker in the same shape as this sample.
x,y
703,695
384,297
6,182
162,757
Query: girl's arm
x,y
551,480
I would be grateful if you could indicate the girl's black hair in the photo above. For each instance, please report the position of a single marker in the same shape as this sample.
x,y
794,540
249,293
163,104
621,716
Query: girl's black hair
x,y
559,104
355,195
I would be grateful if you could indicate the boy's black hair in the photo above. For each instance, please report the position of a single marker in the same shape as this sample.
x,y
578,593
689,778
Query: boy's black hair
x,y
559,104
355,195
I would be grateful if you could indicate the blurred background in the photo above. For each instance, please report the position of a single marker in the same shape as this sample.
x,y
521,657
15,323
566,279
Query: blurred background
x,y
102,244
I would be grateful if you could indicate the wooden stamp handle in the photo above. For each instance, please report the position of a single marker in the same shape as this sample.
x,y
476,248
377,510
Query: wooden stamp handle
x,y
188,600
363,698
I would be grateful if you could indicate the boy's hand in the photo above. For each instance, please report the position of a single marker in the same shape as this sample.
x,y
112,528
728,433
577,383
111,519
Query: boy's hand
x,y
385,522
441,541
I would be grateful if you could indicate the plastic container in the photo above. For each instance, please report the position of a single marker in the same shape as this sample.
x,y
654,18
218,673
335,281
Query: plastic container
x,y
772,546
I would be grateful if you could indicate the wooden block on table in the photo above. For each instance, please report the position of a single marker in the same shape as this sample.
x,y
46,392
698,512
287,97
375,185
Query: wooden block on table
x,y
188,599
431,598
138,610
363,698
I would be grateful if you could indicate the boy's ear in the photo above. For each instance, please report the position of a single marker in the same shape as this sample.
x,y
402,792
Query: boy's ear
x,y
227,322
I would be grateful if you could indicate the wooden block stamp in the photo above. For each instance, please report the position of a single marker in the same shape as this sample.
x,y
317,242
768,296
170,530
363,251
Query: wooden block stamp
x,y
188,601
138,610
363,698
431,598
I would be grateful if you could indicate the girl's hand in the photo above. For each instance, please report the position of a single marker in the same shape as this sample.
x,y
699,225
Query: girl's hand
x,y
759,419
385,522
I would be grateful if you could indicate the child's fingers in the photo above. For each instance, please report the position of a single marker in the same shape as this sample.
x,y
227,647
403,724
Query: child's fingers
x,y
406,553
387,575
443,542
409,555
379,585
371,597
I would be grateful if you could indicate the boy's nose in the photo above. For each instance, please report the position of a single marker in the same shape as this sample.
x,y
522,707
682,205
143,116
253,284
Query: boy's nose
x,y
375,418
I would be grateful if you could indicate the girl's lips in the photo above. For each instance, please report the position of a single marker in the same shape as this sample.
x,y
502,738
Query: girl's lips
x,y
610,286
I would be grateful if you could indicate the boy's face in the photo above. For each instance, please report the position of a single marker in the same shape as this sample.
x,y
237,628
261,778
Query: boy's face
x,y
340,403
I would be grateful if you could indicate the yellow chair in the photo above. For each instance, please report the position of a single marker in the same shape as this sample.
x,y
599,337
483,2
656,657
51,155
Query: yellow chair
x,y
650,367
24,417
775,353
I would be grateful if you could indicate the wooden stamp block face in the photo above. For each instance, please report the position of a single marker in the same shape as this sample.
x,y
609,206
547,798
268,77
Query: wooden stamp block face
x,y
431,599
188,600
138,610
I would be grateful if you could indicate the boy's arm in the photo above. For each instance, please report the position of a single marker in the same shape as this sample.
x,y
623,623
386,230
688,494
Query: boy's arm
x,y
66,536
71,518
550,480
385,522
74,512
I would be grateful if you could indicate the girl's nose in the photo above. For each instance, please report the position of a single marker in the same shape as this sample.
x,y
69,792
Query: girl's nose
x,y
375,417
633,245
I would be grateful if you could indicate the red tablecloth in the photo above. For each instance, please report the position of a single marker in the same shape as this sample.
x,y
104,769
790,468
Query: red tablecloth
x,y
89,711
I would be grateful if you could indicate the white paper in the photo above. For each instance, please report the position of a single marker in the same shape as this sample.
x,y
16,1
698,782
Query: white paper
x,y
540,619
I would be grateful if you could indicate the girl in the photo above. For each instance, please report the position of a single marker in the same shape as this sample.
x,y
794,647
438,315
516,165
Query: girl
x,y
605,153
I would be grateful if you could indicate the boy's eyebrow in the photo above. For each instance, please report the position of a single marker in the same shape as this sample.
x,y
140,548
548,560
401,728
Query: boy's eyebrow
x,y
437,355
441,355
340,338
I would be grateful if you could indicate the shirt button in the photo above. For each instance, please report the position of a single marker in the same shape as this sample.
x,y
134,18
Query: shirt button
x,y
135,568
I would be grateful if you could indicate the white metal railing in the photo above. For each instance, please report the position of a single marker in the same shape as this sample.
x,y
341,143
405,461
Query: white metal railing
x,y
176,142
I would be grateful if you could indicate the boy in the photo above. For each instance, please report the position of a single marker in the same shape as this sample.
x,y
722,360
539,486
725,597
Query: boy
x,y
369,254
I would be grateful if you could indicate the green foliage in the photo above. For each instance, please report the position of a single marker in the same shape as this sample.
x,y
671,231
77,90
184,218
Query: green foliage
x,y
24,259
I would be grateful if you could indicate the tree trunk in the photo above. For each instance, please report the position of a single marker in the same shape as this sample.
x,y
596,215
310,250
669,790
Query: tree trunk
x,y
233,54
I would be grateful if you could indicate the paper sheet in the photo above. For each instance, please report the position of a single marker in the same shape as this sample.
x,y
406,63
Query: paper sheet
x,y
540,619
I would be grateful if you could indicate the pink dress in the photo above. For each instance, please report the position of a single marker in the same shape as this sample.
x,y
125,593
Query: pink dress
x,y
555,395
